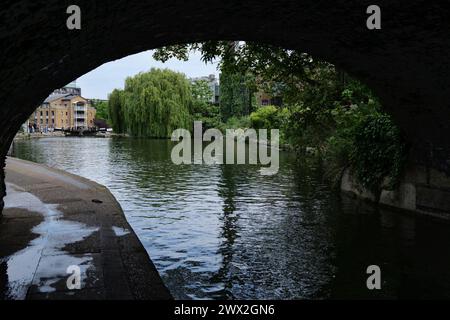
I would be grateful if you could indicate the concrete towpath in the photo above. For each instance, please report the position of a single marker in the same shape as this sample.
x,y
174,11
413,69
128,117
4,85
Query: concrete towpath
x,y
65,237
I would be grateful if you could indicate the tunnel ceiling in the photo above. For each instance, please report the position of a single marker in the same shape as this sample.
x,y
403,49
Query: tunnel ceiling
x,y
406,62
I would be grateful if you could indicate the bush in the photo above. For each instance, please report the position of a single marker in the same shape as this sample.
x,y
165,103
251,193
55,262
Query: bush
x,y
271,117
265,118
237,123
379,152
366,140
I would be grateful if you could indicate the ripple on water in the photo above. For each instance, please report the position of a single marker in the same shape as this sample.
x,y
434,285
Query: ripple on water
x,y
212,231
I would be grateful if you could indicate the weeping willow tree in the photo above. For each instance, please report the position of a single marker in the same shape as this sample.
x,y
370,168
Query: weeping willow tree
x,y
115,111
153,104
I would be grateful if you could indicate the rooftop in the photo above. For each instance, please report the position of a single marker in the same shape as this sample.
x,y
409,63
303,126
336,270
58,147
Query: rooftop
x,y
57,96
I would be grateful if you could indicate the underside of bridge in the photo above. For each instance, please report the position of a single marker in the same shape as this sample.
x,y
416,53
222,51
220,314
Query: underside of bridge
x,y
405,63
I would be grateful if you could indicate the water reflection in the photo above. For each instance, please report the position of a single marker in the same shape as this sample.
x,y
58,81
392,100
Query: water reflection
x,y
228,232
27,266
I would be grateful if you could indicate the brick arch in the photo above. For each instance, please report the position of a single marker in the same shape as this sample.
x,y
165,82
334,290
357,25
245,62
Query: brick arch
x,y
406,63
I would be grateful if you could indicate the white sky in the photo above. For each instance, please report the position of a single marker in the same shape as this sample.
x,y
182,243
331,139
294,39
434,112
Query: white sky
x,y
100,82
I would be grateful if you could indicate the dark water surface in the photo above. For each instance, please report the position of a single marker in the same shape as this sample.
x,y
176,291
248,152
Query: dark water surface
x,y
223,232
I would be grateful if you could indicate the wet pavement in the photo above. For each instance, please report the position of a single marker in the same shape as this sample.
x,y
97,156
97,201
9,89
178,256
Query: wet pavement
x,y
55,226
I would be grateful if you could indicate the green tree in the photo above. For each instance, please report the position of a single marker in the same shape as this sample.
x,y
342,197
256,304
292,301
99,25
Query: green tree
x,y
323,107
101,108
269,65
203,109
236,94
115,111
152,104
201,92
237,83
379,152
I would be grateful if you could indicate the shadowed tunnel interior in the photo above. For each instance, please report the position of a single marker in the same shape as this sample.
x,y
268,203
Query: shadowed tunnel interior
x,y
405,63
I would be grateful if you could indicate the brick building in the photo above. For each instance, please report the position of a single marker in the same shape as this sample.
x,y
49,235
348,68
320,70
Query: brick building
x,y
65,108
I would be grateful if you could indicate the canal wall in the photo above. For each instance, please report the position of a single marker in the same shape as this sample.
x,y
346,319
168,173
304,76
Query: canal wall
x,y
422,191
2,177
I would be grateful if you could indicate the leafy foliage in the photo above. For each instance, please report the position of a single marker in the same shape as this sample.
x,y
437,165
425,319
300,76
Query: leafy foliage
x,y
116,116
236,123
153,104
365,139
101,108
265,62
201,92
203,109
323,107
379,152
236,95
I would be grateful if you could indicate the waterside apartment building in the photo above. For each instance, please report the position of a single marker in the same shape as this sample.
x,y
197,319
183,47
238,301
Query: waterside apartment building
x,y
64,109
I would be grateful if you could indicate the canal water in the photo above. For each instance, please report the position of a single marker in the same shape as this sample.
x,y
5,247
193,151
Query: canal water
x,y
227,232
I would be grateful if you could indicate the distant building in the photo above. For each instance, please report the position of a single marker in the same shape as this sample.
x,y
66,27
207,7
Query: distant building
x,y
265,99
65,108
213,84
70,88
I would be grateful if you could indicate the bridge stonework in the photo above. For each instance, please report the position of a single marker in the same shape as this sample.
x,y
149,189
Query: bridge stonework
x,y
405,63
